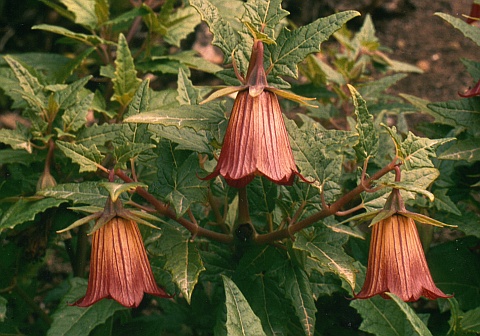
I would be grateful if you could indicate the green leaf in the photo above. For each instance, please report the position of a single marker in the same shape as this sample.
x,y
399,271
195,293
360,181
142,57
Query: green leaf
x,y
180,23
129,150
90,40
467,150
75,117
186,138
116,189
183,259
125,82
471,321
294,45
187,94
444,203
129,16
8,155
198,117
419,328
79,193
224,36
84,11
315,163
191,59
69,96
178,183
367,146
470,31
241,320
88,159
416,151
326,247
3,308
376,88
29,83
388,317
299,292
80,321
98,135
463,112
25,210
17,138
265,15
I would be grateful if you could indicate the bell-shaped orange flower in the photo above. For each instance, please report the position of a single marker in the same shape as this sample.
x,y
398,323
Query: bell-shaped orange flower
x,y
119,266
396,261
256,141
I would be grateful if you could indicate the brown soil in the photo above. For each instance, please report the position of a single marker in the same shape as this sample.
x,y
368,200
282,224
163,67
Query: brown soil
x,y
432,44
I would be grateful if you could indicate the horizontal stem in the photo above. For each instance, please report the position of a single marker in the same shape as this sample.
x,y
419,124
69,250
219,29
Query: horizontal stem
x,y
326,212
165,210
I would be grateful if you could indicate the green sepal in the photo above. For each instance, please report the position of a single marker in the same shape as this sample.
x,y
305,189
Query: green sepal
x,y
115,189
87,208
424,219
222,92
81,221
292,96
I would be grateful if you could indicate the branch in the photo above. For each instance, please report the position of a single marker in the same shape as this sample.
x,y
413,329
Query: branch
x,y
326,212
164,209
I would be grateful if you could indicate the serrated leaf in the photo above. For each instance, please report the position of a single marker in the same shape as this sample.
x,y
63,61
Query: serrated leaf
x,y
88,159
467,150
183,259
198,117
414,321
29,83
8,155
265,15
463,112
416,151
471,321
191,59
129,15
140,100
299,293
79,193
69,96
470,31
224,36
293,46
241,320
79,321
367,146
180,23
326,247
90,40
129,150
75,117
386,318
186,138
178,182
16,138
444,203
187,94
84,12
25,210
98,134
125,82
374,89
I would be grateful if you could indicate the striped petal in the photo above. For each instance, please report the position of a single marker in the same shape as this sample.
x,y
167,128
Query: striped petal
x,y
397,263
119,266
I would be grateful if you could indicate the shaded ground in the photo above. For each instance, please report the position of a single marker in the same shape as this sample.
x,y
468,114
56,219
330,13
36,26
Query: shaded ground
x,y
429,42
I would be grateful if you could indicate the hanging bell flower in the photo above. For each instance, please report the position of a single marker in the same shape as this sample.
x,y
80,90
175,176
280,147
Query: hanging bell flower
x,y
119,266
396,261
256,141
